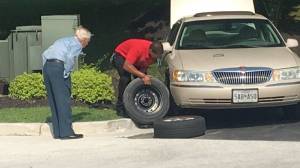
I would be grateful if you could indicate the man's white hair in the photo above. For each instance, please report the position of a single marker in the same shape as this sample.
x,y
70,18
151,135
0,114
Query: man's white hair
x,y
82,33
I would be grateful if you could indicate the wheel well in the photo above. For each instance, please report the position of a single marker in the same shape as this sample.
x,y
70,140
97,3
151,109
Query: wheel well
x,y
167,78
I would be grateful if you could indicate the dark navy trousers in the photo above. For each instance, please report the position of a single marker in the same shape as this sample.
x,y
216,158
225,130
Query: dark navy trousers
x,y
59,97
125,77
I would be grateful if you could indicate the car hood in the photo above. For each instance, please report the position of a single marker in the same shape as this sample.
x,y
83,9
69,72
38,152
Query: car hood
x,y
211,59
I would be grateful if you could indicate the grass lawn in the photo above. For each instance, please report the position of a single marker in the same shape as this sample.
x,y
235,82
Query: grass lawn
x,y
42,114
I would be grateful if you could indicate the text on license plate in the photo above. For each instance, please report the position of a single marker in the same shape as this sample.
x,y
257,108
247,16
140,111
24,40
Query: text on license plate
x,y
245,96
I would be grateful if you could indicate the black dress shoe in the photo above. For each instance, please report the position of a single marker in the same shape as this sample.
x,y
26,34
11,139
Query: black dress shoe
x,y
121,112
124,115
74,136
145,126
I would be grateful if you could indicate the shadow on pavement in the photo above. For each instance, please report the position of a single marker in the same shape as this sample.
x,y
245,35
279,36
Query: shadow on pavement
x,y
79,116
268,124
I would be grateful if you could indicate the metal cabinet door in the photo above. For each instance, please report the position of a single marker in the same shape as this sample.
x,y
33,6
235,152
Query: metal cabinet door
x,y
34,41
20,57
4,60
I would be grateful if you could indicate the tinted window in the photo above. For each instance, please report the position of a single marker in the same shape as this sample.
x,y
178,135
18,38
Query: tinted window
x,y
172,36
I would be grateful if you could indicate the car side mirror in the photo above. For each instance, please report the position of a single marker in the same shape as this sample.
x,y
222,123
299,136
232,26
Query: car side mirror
x,y
291,43
167,47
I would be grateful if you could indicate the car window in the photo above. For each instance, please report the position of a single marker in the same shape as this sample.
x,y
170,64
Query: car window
x,y
173,33
237,33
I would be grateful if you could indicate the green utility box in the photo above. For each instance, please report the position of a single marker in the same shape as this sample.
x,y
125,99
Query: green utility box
x,y
24,46
58,26
4,63
22,50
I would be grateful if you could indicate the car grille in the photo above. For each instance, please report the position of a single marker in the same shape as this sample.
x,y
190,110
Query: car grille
x,y
243,75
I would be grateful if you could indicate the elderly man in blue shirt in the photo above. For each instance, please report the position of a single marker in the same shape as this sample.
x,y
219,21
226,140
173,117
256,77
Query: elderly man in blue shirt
x,y
58,63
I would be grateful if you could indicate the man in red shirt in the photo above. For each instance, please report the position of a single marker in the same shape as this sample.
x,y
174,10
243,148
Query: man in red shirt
x,y
133,57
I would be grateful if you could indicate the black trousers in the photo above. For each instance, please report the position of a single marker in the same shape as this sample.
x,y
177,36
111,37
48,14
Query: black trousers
x,y
59,97
125,78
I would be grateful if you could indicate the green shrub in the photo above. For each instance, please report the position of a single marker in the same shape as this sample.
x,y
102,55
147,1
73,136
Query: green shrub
x,y
91,86
27,86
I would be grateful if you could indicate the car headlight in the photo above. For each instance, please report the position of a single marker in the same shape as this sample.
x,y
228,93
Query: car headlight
x,y
286,74
192,76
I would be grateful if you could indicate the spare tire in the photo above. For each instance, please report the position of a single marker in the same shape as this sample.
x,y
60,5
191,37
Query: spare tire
x,y
179,127
146,103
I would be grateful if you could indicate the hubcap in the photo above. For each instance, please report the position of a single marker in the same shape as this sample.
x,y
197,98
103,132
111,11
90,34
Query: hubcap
x,y
147,100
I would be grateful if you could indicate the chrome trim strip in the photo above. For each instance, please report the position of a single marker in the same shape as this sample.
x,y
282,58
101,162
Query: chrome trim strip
x,y
196,86
283,84
234,106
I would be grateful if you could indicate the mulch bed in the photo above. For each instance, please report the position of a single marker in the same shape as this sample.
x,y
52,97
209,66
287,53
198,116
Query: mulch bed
x,y
7,102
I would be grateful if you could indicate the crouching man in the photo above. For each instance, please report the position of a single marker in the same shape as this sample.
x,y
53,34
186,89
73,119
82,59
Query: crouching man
x,y
133,57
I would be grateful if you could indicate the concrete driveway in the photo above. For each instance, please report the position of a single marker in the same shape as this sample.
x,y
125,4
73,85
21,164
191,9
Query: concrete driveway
x,y
235,139
118,152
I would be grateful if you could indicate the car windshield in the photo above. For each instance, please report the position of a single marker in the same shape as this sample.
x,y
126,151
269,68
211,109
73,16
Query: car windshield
x,y
237,33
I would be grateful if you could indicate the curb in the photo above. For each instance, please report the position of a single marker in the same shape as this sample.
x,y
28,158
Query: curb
x,y
87,128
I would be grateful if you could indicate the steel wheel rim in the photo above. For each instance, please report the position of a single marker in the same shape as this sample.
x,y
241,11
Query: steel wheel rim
x,y
147,100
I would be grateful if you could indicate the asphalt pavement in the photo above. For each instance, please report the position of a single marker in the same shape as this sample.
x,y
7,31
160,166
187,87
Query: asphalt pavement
x,y
261,124
115,151
260,138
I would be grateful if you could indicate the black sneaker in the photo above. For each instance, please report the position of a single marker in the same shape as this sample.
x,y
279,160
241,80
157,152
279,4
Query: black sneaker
x,y
122,113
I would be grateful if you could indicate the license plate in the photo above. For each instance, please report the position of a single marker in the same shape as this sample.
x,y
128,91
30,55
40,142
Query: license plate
x,y
245,96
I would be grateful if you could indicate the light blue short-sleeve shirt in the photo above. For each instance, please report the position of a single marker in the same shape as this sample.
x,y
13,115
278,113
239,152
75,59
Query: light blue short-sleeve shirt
x,y
64,49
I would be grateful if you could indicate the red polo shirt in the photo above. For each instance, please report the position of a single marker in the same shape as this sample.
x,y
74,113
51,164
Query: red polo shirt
x,y
136,52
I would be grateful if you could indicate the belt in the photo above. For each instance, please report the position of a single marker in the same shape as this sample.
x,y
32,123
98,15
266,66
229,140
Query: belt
x,y
55,60
114,56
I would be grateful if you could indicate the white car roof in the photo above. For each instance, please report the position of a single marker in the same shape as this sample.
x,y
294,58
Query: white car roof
x,y
223,15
